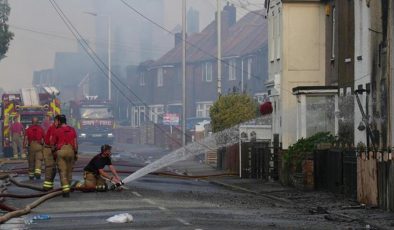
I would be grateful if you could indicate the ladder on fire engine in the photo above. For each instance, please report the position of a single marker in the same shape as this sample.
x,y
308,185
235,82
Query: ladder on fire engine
x,y
30,97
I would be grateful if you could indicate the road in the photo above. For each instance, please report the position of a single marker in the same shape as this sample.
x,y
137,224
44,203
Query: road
x,y
158,202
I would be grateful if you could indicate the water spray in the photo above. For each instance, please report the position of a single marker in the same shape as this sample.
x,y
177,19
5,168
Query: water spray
x,y
224,138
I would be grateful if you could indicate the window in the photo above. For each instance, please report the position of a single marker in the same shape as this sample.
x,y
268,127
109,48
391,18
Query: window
x,y
138,116
160,77
249,68
232,65
142,79
360,35
333,33
203,109
271,37
261,97
155,113
278,24
207,72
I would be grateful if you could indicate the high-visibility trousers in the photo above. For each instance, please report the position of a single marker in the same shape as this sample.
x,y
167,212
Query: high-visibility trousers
x,y
17,144
50,168
92,182
35,158
65,163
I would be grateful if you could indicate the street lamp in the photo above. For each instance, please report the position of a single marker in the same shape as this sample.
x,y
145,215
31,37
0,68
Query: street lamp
x,y
109,50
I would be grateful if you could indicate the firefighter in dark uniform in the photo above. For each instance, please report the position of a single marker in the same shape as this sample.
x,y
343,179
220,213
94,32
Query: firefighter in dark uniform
x,y
94,172
49,160
65,146
34,139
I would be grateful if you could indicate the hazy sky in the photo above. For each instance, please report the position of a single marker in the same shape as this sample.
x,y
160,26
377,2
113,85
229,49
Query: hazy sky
x,y
39,32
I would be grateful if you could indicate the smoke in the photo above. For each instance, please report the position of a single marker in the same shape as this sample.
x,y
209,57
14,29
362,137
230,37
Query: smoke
x,y
40,34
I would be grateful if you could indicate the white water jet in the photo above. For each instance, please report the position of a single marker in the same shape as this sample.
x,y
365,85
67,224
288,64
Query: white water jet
x,y
224,138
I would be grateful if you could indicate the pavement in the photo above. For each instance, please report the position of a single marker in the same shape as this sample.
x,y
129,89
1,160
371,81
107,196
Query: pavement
x,y
225,202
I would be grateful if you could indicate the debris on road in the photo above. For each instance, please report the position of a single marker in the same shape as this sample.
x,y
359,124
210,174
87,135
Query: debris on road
x,y
318,210
361,206
121,218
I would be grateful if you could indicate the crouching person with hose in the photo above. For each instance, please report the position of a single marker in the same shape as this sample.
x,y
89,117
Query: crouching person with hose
x,y
95,177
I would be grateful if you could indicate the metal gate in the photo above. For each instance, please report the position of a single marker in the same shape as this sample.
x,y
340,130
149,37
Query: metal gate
x,y
328,170
256,157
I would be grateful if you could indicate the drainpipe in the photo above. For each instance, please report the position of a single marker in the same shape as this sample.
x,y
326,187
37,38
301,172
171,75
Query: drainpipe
x,y
391,74
242,75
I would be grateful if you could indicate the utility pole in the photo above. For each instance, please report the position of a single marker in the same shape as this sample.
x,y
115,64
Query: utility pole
x,y
108,51
219,37
183,72
109,58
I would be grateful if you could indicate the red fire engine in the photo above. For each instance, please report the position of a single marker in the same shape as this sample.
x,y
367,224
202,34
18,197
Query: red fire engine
x,y
94,119
28,103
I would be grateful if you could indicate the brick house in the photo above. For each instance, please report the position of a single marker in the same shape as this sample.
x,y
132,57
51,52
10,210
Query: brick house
x,y
244,51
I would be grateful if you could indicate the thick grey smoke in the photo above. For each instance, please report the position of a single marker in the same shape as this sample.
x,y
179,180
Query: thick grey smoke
x,y
39,33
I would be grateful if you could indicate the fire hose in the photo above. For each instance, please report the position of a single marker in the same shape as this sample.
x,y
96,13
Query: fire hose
x,y
28,207
14,212
168,174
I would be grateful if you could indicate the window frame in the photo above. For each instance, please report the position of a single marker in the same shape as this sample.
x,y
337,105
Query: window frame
x,y
249,63
142,78
202,108
232,70
160,76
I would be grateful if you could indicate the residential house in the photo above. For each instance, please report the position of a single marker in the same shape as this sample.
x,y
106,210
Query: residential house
x,y
43,78
244,49
296,57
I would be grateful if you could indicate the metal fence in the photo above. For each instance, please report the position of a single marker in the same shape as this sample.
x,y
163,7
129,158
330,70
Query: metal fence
x,y
256,158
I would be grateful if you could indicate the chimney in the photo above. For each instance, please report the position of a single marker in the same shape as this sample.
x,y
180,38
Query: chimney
x,y
231,14
178,38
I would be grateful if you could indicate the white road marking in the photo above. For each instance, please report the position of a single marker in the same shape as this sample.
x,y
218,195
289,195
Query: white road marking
x,y
149,201
163,208
137,194
183,221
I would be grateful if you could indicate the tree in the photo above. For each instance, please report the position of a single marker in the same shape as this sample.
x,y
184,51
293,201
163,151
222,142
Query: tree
x,y
5,35
232,109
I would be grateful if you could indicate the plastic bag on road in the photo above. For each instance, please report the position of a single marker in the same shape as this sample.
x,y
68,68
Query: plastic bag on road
x,y
121,218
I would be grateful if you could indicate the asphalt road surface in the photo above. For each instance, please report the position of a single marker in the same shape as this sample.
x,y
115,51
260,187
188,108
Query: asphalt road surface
x,y
158,202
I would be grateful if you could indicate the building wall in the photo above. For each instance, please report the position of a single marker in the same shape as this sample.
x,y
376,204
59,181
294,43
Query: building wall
x,y
372,71
391,65
332,42
302,31
363,60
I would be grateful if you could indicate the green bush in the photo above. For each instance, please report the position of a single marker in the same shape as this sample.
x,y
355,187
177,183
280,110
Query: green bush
x,y
300,151
232,109
5,35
